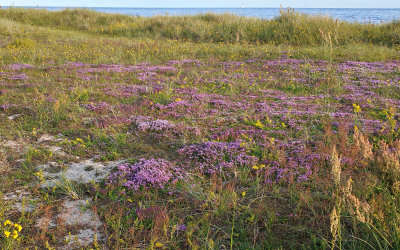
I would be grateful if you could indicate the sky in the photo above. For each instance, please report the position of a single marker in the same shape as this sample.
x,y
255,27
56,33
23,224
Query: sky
x,y
208,3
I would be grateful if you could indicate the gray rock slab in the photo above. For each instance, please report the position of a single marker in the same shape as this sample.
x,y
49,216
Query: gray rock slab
x,y
46,138
83,238
21,200
79,213
82,172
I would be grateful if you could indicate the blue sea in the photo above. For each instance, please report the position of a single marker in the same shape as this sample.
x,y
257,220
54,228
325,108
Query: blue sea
x,y
352,15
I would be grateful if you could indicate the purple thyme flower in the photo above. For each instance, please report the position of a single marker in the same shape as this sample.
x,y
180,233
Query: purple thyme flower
x,y
214,157
18,77
146,173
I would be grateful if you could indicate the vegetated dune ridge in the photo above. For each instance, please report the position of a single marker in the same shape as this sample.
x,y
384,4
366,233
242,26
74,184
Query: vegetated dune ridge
x,y
208,131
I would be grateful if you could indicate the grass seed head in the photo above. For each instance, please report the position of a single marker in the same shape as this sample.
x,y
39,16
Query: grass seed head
x,y
336,168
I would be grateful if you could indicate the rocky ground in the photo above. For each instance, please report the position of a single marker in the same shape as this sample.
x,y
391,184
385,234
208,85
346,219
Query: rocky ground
x,y
73,213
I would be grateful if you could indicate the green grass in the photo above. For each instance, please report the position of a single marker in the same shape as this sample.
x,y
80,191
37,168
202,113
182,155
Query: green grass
x,y
40,36
290,28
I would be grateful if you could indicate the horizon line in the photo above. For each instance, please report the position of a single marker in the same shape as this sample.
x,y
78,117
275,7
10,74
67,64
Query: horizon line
x,y
39,6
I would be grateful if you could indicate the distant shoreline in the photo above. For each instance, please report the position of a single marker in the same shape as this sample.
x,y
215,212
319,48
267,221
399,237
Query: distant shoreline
x,y
105,7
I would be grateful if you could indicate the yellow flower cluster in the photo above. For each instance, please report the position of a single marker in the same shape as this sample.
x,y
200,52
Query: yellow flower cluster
x,y
258,167
259,124
77,142
11,229
80,141
357,108
159,245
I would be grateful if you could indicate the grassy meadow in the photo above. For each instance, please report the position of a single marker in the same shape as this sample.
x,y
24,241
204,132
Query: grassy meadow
x,y
198,132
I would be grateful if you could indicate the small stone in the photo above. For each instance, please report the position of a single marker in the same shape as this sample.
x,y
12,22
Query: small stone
x,y
13,117
46,138
57,150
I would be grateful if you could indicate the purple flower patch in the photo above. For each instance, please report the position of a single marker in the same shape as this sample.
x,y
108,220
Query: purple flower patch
x,y
18,77
100,107
155,173
215,157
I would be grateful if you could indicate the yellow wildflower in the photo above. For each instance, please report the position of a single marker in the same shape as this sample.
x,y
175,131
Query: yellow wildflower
x,y
14,234
178,99
211,243
357,108
7,234
8,222
243,193
268,120
255,167
18,227
258,124
159,244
